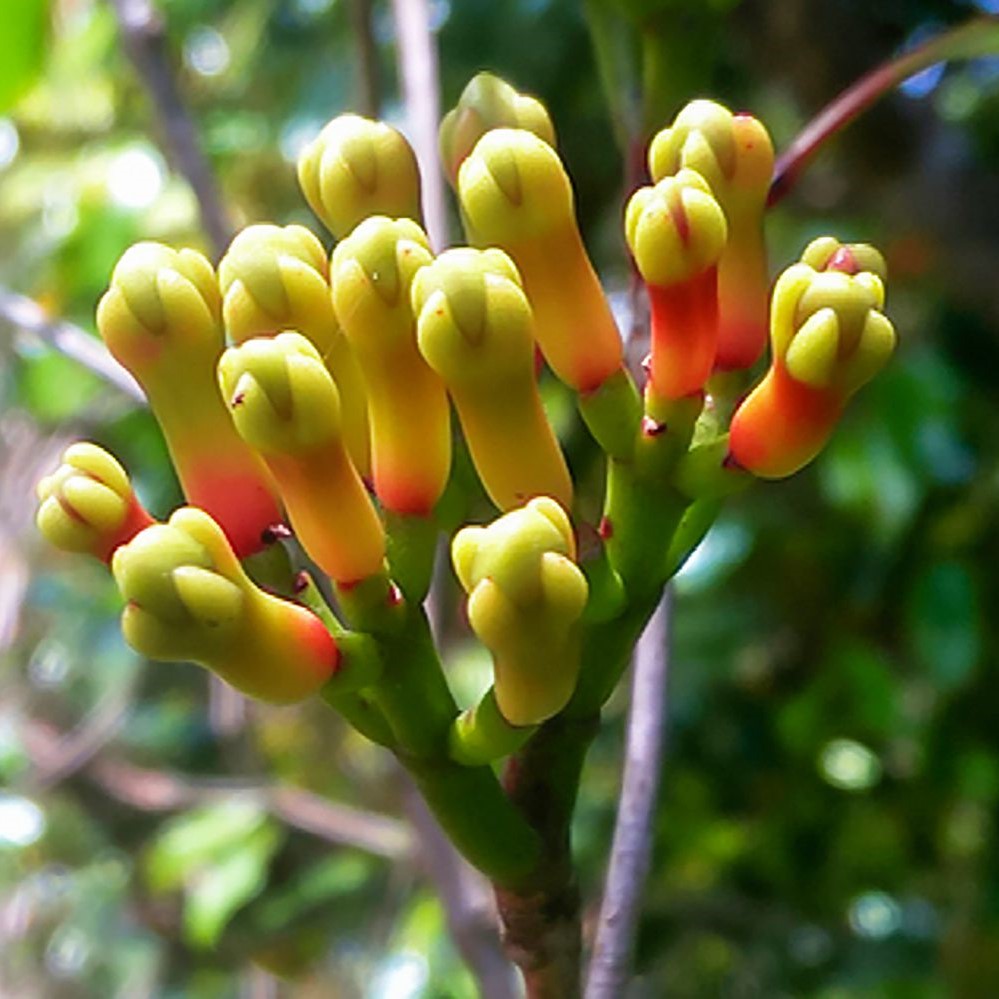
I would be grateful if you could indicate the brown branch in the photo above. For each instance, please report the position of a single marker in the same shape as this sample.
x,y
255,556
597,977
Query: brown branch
x,y
143,36
631,850
541,926
26,314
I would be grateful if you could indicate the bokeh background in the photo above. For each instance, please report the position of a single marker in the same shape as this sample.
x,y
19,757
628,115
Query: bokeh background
x,y
827,825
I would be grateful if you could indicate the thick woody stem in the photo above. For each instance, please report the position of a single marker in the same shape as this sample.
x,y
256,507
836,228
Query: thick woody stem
x,y
541,925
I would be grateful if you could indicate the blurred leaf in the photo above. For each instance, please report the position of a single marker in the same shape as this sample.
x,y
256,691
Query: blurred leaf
x,y
232,880
944,626
56,389
22,47
200,838
341,874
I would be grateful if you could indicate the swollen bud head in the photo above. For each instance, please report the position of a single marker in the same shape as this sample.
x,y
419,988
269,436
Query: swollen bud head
x,y
732,152
275,278
829,338
87,504
526,596
474,321
162,305
281,397
188,598
827,253
829,328
676,229
488,102
513,186
356,168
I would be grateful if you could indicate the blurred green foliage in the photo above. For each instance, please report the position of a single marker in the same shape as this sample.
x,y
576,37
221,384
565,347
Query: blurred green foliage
x,y
827,824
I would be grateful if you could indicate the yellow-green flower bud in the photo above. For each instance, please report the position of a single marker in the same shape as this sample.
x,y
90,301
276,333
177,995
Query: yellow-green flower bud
x,y
526,596
675,229
87,504
161,319
276,278
829,338
827,253
488,102
355,168
188,598
676,232
734,154
373,269
516,195
285,404
475,329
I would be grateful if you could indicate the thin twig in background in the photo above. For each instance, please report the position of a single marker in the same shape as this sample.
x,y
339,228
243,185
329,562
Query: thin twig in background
x,y
144,37
418,69
27,315
466,898
150,790
369,90
631,850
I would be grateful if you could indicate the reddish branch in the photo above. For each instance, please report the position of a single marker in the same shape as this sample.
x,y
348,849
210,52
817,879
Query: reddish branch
x,y
977,37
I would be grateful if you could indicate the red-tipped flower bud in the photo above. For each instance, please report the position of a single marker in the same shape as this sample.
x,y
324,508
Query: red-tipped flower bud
x,y
516,195
734,154
161,319
829,337
285,404
676,232
475,330
188,598
87,504
373,270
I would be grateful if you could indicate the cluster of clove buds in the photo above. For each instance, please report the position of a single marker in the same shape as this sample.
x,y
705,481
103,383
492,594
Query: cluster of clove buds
x,y
329,417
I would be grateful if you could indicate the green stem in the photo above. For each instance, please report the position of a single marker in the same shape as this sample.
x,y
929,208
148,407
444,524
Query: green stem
x,y
352,703
479,819
412,696
412,692
695,525
607,648
412,543
613,413
542,929
481,735
640,517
